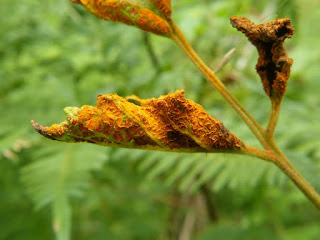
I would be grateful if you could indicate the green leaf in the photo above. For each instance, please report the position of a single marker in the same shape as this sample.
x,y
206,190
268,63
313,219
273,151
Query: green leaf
x,y
57,177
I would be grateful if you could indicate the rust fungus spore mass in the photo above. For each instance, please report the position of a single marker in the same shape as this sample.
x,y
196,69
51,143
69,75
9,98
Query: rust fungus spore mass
x,y
165,123
273,64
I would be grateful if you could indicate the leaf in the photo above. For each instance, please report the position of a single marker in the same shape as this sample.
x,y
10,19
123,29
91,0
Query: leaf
x,y
183,166
164,7
273,64
193,174
162,167
56,178
169,123
152,16
190,172
62,217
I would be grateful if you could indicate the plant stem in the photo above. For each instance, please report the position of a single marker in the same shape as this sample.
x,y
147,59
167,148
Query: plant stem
x,y
269,132
274,116
300,182
289,170
267,155
255,127
153,57
278,151
272,152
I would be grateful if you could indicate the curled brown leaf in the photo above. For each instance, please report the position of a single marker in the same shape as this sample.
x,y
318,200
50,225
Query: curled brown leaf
x,y
273,64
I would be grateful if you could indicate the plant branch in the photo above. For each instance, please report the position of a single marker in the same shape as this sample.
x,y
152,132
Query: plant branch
x,y
255,127
279,153
288,169
272,153
300,182
225,60
151,52
273,119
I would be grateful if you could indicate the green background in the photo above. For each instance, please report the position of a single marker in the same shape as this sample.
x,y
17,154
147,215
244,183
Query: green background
x,y
53,54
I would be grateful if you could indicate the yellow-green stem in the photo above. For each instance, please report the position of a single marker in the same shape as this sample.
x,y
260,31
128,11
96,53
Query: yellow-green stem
x,y
290,171
269,132
279,153
300,182
274,116
272,152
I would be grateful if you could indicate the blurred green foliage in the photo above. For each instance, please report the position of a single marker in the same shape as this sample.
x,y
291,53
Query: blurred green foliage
x,y
54,54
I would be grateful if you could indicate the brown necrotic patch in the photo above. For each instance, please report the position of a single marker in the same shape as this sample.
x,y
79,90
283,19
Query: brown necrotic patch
x,y
273,64
191,120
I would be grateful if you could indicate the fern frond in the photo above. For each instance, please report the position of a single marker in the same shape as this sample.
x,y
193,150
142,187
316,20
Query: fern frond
x,y
182,166
190,172
164,165
191,176
60,175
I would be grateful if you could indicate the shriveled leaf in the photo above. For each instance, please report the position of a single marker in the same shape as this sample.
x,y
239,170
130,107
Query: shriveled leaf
x,y
273,64
168,123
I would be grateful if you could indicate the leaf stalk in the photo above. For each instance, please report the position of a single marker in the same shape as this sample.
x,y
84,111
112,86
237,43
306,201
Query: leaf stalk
x,y
272,152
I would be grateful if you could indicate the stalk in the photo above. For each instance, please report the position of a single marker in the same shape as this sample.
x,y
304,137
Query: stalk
x,y
254,126
289,170
272,153
274,116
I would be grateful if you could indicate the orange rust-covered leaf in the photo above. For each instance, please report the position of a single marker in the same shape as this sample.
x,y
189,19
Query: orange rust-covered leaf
x,y
168,123
164,7
148,15
273,64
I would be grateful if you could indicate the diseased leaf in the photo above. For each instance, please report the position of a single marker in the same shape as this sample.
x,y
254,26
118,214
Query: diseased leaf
x,y
149,15
164,7
168,123
273,64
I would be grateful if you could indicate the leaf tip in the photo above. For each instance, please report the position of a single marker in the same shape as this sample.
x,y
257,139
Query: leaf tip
x,y
52,132
37,126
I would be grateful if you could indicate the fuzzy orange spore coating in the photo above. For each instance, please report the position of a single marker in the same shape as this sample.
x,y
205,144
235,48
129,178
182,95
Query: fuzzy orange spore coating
x,y
164,7
107,119
188,117
149,21
54,130
111,10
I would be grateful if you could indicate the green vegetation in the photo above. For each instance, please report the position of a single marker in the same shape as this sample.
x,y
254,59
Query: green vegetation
x,y
53,54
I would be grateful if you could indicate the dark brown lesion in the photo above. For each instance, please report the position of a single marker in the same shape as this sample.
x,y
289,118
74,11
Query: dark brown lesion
x,y
273,64
41,129
177,139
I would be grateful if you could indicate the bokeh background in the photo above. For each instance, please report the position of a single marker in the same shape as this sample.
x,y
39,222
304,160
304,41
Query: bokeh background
x,y
53,54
